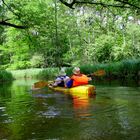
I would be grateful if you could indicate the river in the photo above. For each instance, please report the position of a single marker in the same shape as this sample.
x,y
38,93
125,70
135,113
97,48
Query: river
x,y
112,114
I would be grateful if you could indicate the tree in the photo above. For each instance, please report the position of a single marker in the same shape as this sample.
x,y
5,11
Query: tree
x,y
57,35
12,8
15,8
132,4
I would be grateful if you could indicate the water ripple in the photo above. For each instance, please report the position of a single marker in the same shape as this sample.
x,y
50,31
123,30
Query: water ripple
x,y
52,112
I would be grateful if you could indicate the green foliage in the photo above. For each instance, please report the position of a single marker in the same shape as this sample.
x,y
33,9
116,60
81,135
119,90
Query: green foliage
x,y
19,65
48,74
25,73
103,48
130,66
5,76
121,70
37,61
118,70
57,35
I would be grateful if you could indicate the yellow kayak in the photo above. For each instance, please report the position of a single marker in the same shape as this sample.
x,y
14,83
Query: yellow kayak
x,y
83,89
78,90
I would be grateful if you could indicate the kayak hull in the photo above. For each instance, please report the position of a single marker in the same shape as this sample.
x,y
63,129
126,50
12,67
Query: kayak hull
x,y
83,89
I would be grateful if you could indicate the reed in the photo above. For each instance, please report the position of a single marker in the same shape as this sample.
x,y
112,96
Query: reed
x,y
126,69
130,68
48,73
26,73
5,76
44,73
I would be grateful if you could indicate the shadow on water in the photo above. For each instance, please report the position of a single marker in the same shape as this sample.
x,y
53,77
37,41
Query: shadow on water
x,y
112,114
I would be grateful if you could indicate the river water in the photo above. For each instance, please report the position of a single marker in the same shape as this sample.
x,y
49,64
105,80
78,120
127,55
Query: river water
x,y
112,114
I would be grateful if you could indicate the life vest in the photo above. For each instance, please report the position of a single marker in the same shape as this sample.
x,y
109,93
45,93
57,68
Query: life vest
x,y
61,84
79,80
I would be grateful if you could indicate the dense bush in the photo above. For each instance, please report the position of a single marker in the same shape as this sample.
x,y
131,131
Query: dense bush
x,y
5,76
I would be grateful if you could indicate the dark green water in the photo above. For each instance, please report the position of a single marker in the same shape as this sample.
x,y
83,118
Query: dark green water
x,y
113,114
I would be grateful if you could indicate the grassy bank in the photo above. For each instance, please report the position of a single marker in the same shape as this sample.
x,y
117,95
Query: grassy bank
x,y
124,70
127,69
47,73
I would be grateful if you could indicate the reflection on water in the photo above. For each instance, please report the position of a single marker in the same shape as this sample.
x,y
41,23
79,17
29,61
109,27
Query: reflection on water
x,y
113,113
81,105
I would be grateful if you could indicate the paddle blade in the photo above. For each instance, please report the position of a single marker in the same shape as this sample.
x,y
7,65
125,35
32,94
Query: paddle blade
x,y
40,84
99,73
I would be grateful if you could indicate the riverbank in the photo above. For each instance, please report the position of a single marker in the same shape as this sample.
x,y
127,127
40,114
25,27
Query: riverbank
x,y
6,76
127,70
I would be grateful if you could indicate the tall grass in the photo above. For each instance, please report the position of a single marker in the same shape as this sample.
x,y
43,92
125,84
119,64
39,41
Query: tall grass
x,y
26,73
5,76
126,69
47,73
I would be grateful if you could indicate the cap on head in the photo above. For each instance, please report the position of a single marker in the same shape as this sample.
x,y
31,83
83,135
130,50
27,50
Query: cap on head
x,y
76,70
62,72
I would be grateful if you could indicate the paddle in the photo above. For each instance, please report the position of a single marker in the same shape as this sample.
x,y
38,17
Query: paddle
x,y
42,84
97,73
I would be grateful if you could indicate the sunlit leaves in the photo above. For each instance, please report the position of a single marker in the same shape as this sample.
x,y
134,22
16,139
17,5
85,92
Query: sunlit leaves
x,y
57,34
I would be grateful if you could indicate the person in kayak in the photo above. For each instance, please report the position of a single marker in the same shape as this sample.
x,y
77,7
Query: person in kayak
x,y
77,79
60,79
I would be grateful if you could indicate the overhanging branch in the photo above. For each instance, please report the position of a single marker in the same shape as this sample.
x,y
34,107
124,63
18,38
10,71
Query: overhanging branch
x,y
123,4
70,5
12,25
128,3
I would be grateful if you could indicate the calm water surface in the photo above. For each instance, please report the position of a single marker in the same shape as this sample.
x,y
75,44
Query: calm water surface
x,y
113,114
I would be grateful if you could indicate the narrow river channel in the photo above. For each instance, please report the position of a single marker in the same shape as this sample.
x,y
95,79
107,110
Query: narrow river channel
x,y
112,114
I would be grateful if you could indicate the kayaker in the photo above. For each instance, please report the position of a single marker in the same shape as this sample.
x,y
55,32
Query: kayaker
x,y
77,78
60,79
